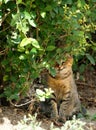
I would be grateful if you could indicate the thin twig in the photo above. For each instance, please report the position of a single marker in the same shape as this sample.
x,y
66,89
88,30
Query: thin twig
x,y
20,105
83,83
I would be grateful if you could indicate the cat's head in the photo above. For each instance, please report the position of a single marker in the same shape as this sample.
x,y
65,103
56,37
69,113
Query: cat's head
x,y
67,63
65,68
62,68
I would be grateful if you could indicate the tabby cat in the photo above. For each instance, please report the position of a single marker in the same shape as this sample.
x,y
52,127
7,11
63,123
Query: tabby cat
x,y
65,101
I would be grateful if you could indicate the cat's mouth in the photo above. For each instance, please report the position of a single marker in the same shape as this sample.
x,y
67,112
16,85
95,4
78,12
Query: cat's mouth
x,y
63,64
60,67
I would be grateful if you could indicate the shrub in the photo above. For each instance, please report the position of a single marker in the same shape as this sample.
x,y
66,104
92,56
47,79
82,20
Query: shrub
x,y
37,34
30,123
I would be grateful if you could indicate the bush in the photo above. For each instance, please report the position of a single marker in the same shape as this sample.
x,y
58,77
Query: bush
x,y
30,123
37,34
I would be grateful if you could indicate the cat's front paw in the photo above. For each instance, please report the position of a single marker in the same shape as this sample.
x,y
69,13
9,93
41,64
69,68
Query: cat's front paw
x,y
57,122
62,119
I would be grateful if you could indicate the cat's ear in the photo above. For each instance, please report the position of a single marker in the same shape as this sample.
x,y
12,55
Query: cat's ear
x,y
69,61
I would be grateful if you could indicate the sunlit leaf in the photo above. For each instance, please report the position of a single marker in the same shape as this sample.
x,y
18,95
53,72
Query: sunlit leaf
x,y
43,14
81,3
27,52
22,57
29,18
35,43
6,1
19,1
40,92
27,15
21,49
32,23
25,42
15,18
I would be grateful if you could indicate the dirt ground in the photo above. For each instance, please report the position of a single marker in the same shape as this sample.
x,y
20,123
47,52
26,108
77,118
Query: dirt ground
x,y
9,116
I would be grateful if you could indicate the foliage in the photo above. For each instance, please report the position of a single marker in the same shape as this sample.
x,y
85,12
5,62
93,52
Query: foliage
x,y
42,95
74,124
31,123
36,34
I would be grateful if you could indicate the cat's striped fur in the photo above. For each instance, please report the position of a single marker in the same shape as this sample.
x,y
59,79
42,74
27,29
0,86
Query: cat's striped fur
x,y
65,100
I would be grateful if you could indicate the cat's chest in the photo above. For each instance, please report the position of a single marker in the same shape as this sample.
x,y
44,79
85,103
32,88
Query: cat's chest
x,y
60,87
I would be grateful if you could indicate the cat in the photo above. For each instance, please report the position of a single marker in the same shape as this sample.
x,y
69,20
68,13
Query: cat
x,y
65,100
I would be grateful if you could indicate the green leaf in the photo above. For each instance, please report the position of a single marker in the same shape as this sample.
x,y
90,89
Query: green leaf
x,y
52,71
27,52
81,3
15,18
29,18
22,57
27,15
90,58
32,23
48,8
43,14
19,1
21,49
50,48
35,43
33,50
68,2
6,1
5,78
25,42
